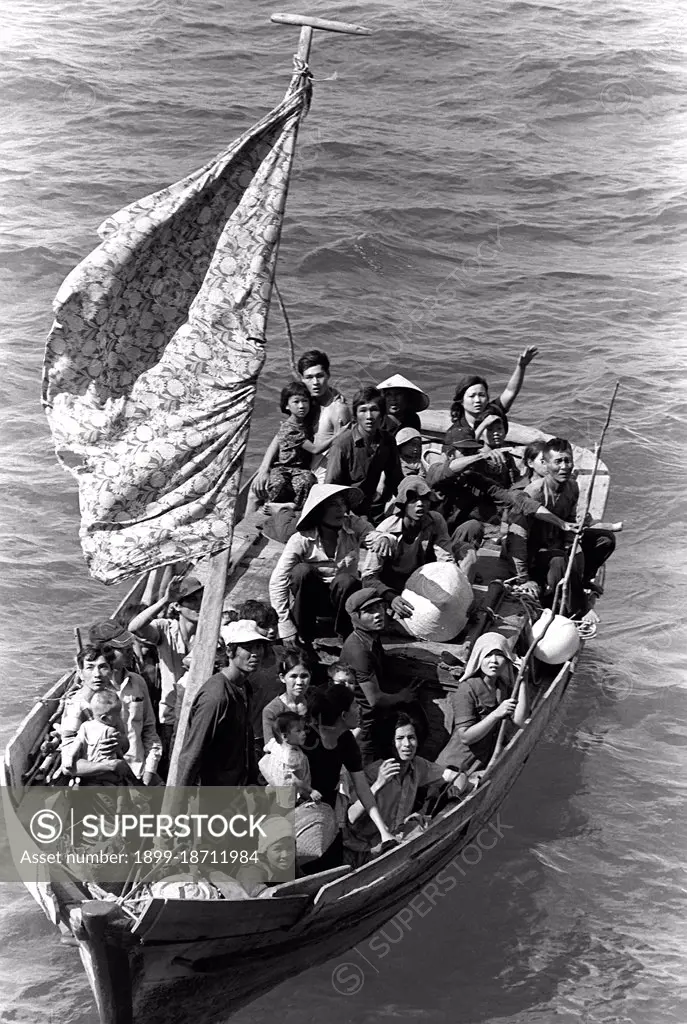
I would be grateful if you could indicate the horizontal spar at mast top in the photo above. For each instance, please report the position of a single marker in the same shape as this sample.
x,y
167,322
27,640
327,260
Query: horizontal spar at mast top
x,y
321,23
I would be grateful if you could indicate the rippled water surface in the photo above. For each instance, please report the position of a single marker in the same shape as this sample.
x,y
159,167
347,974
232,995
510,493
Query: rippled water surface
x,y
473,178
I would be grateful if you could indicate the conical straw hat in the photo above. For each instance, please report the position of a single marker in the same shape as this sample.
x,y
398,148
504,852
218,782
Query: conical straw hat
x,y
320,493
441,597
417,399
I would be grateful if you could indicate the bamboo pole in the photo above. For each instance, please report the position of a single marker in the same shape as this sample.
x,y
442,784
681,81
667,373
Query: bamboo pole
x,y
565,582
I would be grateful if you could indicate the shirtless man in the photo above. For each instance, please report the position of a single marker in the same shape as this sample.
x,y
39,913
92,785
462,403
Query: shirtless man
x,y
331,413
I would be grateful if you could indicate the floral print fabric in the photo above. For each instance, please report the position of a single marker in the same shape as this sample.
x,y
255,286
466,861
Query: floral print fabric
x,y
152,363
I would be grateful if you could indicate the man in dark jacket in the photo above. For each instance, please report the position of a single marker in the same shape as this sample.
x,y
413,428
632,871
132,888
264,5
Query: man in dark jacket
x,y
360,454
219,747
363,652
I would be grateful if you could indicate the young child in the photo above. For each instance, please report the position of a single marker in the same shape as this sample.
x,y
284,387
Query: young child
x,y
284,763
290,477
97,752
409,444
491,431
341,673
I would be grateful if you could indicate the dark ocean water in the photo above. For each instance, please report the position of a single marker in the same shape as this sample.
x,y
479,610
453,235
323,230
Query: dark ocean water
x,y
473,178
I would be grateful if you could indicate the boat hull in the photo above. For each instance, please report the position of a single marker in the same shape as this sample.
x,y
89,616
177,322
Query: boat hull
x,y
209,979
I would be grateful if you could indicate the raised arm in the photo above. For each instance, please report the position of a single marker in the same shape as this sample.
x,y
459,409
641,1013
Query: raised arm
x,y
512,389
385,771
141,623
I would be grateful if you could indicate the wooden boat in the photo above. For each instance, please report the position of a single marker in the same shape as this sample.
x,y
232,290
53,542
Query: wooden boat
x,y
170,960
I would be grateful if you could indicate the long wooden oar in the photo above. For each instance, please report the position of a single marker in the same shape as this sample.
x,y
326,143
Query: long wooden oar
x,y
560,591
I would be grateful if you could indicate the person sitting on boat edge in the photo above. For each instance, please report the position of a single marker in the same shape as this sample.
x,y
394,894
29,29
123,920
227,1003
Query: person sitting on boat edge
x,y
417,536
466,493
173,636
404,400
472,396
330,746
284,763
294,674
98,751
539,550
394,783
320,564
330,409
94,672
145,748
481,701
276,852
363,651
287,477
219,747
329,414
362,453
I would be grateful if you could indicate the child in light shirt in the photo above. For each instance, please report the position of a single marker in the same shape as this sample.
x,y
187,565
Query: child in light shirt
x,y
284,763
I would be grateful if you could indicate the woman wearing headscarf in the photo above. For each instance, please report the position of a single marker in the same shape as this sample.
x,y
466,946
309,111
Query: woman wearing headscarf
x,y
482,701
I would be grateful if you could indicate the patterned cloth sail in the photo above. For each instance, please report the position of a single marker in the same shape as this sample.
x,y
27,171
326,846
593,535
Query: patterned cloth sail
x,y
152,363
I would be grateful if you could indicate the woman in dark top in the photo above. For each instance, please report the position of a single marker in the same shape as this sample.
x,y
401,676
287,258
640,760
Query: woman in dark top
x,y
471,399
330,746
483,699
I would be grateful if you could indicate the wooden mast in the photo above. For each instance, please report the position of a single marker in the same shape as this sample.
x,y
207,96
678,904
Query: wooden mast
x,y
205,647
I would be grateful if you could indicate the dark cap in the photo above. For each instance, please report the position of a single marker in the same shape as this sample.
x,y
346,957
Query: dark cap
x,y
361,599
189,585
110,632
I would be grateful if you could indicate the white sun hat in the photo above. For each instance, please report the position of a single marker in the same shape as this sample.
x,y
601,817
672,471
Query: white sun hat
x,y
319,493
245,631
418,400
441,595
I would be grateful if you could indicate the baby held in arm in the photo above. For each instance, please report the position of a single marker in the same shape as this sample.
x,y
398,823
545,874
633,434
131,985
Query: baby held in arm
x,y
284,763
96,754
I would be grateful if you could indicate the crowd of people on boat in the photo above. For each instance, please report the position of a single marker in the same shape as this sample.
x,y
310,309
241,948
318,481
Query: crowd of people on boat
x,y
360,507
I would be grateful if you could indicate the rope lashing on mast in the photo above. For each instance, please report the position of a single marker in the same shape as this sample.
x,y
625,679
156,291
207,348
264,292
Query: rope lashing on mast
x,y
305,80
